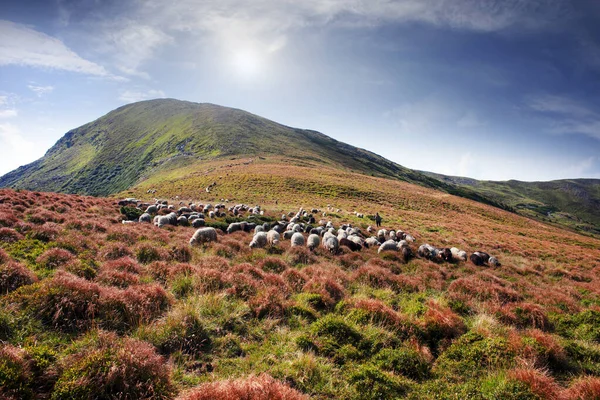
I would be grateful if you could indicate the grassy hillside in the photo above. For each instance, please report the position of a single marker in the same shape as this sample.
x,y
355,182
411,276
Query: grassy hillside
x,y
574,203
91,307
130,143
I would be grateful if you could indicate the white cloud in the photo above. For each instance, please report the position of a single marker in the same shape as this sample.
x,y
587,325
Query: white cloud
x,y
40,90
16,149
131,96
21,45
8,113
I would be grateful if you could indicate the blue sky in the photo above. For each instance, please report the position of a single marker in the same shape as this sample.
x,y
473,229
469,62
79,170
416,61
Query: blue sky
x,y
490,89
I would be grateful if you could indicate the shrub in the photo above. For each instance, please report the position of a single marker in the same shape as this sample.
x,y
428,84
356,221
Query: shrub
x,y
14,275
262,387
45,233
15,373
584,325
124,264
54,258
180,330
538,382
146,253
270,302
295,279
7,219
584,388
114,251
65,302
272,264
181,254
120,279
300,255
371,383
9,235
107,367
330,291
440,322
404,361
131,213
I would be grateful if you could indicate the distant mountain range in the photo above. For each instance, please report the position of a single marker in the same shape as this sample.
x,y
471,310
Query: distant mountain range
x,y
129,145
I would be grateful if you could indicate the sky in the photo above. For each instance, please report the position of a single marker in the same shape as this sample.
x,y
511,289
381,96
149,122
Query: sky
x,y
489,89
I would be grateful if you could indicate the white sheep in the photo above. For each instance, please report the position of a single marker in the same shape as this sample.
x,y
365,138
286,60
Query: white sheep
x,y
371,242
259,228
409,238
313,241
145,217
297,239
389,245
330,242
259,240
273,237
493,262
204,235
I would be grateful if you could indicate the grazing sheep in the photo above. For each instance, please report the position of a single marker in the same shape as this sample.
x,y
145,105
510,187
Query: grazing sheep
x,y
152,209
259,240
342,235
479,258
330,243
493,262
427,251
198,223
458,255
204,235
211,214
288,234
392,236
297,239
145,217
313,241
445,254
162,221
183,221
389,245
370,229
350,244
234,227
259,228
273,237
409,238
371,242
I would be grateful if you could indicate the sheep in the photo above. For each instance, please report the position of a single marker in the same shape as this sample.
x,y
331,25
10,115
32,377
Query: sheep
x,y
183,221
371,242
273,237
145,217
204,235
389,245
342,235
198,223
427,251
259,228
234,227
259,240
493,262
409,238
350,244
392,236
330,243
162,221
155,220
313,241
297,239
479,258
211,214
288,234
458,255
370,229
153,209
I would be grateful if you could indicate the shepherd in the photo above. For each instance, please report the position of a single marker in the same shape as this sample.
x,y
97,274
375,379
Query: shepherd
x,y
378,219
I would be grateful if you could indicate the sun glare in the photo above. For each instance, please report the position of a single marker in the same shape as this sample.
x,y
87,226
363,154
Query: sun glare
x,y
247,63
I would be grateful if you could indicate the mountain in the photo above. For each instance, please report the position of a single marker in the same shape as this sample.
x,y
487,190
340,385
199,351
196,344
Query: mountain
x,y
176,144
139,140
569,202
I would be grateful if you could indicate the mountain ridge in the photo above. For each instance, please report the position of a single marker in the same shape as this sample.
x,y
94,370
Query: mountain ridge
x,y
134,142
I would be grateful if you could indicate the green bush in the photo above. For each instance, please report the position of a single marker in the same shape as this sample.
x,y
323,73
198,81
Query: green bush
x,y
583,326
372,383
131,213
404,361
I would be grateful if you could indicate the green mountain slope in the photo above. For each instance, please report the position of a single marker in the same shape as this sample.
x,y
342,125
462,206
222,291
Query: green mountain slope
x,y
121,148
570,202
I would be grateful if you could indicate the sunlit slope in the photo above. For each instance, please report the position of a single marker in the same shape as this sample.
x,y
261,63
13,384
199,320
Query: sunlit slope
x,y
121,148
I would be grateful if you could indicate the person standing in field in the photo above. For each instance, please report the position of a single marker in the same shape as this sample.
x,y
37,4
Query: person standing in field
x,y
378,219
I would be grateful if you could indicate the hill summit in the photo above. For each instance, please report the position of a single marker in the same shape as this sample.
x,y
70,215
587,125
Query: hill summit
x,y
123,147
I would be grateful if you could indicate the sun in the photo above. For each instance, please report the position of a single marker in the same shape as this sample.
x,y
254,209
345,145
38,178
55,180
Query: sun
x,y
247,63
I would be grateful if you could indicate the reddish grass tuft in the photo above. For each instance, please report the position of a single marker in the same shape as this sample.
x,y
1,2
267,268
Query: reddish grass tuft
x,y
15,373
331,292
263,387
4,257
125,264
584,388
538,381
295,279
9,235
269,302
44,233
441,322
7,219
14,275
300,255
522,315
54,258
272,264
114,251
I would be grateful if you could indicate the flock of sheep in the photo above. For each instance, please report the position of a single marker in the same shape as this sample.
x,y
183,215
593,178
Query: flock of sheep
x,y
290,227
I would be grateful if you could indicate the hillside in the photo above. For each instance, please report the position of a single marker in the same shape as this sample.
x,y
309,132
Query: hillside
x,y
132,142
93,308
574,203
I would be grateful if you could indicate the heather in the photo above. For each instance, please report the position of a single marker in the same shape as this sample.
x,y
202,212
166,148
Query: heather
x,y
94,308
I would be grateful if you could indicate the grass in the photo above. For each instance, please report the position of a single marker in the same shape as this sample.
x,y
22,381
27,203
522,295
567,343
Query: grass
x,y
99,304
